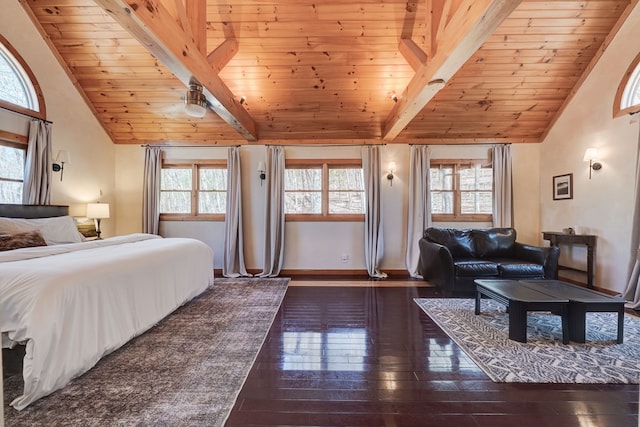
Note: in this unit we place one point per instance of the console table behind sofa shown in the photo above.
(588, 240)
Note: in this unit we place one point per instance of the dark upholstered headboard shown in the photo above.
(32, 211)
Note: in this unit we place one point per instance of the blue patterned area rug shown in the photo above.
(543, 359)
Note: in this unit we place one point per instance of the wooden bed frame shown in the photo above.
(32, 211)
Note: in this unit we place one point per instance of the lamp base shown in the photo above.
(98, 232)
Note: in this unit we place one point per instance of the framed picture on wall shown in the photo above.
(563, 187)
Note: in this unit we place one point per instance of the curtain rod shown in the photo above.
(258, 145)
(485, 144)
(25, 114)
(481, 144)
(187, 146)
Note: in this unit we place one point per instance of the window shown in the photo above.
(18, 87)
(193, 190)
(12, 158)
(627, 100)
(321, 190)
(461, 190)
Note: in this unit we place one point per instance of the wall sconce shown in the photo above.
(392, 170)
(98, 211)
(61, 158)
(262, 174)
(591, 156)
(195, 103)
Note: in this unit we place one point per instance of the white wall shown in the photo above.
(604, 204)
(319, 245)
(75, 129)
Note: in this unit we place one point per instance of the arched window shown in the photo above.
(627, 99)
(20, 92)
(19, 89)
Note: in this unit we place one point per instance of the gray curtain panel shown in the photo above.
(503, 186)
(632, 291)
(419, 215)
(274, 213)
(373, 241)
(151, 190)
(37, 170)
(233, 256)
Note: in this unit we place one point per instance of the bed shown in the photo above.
(71, 303)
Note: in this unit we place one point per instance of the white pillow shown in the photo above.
(54, 230)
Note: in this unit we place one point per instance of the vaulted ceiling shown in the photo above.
(323, 71)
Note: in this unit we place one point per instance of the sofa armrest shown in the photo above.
(436, 264)
(545, 256)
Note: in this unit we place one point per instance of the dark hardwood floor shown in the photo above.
(354, 356)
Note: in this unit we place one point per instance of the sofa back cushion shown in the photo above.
(459, 242)
(494, 242)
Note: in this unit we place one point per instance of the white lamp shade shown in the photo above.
(97, 210)
(63, 157)
(590, 154)
(195, 110)
(261, 167)
(392, 167)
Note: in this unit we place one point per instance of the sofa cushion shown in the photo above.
(494, 242)
(459, 242)
(515, 268)
(475, 268)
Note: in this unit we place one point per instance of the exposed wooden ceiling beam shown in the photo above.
(435, 9)
(192, 18)
(197, 15)
(154, 27)
(221, 55)
(473, 22)
(414, 55)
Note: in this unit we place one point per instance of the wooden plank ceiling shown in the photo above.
(326, 71)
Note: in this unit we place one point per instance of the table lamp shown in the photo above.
(98, 211)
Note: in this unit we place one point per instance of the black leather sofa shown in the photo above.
(453, 258)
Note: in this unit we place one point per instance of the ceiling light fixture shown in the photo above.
(195, 103)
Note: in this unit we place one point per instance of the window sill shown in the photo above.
(324, 218)
(461, 218)
(185, 217)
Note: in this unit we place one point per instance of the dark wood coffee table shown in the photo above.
(581, 301)
(520, 300)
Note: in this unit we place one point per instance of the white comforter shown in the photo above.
(74, 303)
